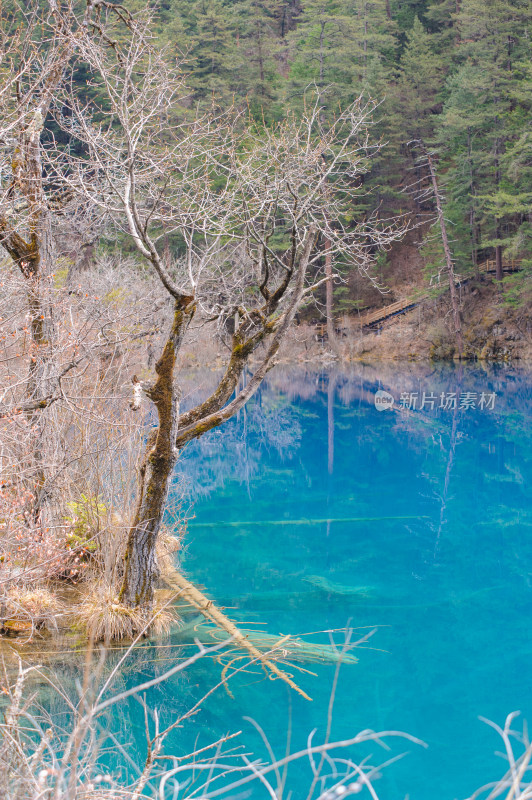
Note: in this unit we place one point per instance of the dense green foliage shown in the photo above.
(455, 73)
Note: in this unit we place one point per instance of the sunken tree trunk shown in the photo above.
(141, 570)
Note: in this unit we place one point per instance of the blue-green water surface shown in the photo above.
(312, 509)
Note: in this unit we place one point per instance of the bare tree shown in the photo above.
(455, 305)
(435, 194)
(248, 205)
(246, 209)
(37, 51)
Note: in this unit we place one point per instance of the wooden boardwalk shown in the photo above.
(402, 306)
(399, 307)
(489, 266)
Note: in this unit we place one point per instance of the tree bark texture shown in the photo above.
(141, 570)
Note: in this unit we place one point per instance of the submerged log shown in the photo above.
(293, 647)
(191, 594)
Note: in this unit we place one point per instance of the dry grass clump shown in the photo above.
(106, 619)
(24, 609)
(101, 614)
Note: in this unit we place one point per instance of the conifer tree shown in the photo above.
(420, 83)
(346, 46)
(495, 43)
(205, 33)
(257, 23)
(456, 74)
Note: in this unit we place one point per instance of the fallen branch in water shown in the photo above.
(192, 595)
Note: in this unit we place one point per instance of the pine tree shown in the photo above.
(345, 47)
(257, 23)
(203, 31)
(323, 45)
(461, 136)
(487, 108)
(404, 12)
(455, 74)
(420, 84)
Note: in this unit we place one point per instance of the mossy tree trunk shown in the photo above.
(141, 570)
(174, 431)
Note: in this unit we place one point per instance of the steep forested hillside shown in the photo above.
(452, 77)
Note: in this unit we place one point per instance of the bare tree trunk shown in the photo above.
(41, 385)
(457, 321)
(472, 205)
(365, 45)
(141, 570)
(499, 272)
(261, 59)
(33, 252)
(331, 332)
(35, 258)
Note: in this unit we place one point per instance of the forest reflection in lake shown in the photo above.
(313, 508)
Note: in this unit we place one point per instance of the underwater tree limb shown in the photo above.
(196, 598)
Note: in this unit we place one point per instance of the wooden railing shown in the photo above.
(400, 306)
(380, 314)
(511, 265)
(388, 311)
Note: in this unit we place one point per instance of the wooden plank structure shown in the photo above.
(402, 306)
(399, 307)
(489, 266)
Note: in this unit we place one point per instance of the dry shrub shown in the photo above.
(169, 543)
(442, 341)
(106, 619)
(72, 525)
(33, 747)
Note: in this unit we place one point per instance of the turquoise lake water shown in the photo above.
(313, 509)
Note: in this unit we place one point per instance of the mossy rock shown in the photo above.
(15, 626)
